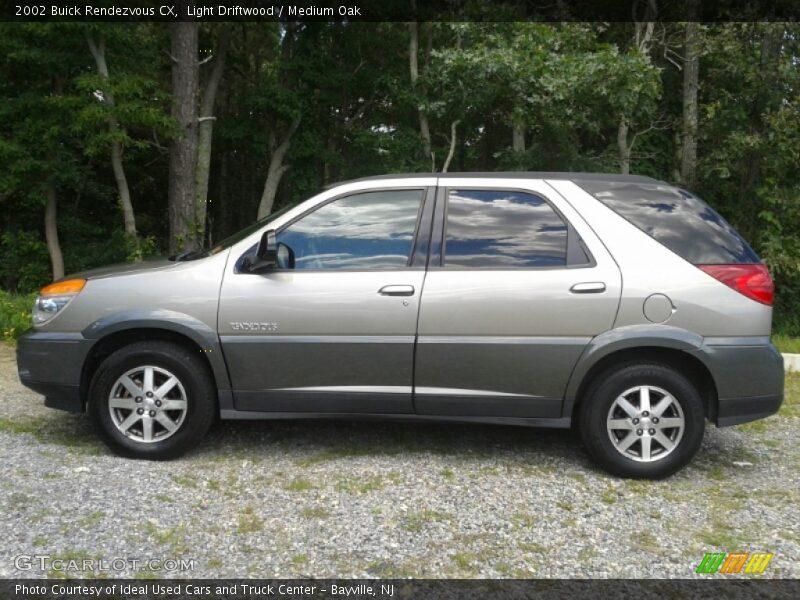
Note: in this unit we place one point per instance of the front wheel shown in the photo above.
(152, 400)
(642, 421)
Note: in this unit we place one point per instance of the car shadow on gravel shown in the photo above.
(310, 441)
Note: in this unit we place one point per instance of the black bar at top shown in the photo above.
(399, 10)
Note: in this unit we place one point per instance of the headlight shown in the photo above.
(55, 297)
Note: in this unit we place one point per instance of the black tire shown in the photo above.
(192, 373)
(600, 398)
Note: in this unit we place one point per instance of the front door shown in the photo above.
(335, 333)
(513, 295)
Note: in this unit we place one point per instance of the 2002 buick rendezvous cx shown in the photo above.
(619, 304)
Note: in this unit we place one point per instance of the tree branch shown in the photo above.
(453, 126)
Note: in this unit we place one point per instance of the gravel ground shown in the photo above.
(337, 499)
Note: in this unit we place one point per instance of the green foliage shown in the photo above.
(15, 314)
(25, 265)
(568, 86)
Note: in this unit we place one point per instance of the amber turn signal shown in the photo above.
(68, 286)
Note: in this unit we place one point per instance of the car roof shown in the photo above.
(562, 175)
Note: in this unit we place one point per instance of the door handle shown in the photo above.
(588, 287)
(397, 290)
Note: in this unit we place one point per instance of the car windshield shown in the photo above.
(233, 239)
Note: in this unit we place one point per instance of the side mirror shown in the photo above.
(266, 254)
(285, 257)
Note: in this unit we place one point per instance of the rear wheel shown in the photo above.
(642, 420)
(152, 400)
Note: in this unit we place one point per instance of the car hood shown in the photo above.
(127, 268)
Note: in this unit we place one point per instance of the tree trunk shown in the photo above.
(51, 232)
(691, 62)
(327, 168)
(771, 45)
(183, 151)
(449, 158)
(518, 137)
(98, 50)
(206, 134)
(413, 51)
(624, 147)
(275, 171)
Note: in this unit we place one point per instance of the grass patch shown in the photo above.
(524, 521)
(791, 399)
(646, 542)
(759, 426)
(26, 426)
(786, 343)
(187, 481)
(722, 535)
(531, 547)
(91, 519)
(298, 560)
(565, 505)
(717, 472)
(15, 315)
(249, 522)
(174, 537)
(299, 484)
(609, 496)
(70, 432)
(373, 483)
(70, 555)
(463, 560)
(315, 513)
(415, 522)
(356, 485)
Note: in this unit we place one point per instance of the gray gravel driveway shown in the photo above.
(340, 499)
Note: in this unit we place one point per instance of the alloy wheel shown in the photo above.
(645, 423)
(147, 404)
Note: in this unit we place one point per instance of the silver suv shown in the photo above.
(621, 305)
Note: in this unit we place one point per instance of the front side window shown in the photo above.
(372, 230)
(503, 229)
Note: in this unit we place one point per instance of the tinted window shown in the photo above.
(682, 222)
(503, 229)
(374, 230)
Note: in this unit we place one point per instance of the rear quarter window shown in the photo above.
(677, 219)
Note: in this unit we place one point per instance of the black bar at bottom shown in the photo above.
(385, 589)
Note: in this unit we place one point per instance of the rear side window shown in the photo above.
(502, 229)
(677, 219)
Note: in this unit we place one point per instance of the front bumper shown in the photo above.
(51, 364)
(749, 379)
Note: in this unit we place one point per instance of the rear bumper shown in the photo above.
(51, 364)
(741, 410)
(749, 381)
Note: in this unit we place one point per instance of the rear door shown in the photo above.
(517, 286)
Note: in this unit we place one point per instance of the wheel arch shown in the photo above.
(673, 347)
(112, 333)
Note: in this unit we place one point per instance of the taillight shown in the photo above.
(753, 281)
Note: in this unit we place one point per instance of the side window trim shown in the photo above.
(427, 192)
(578, 255)
(420, 249)
(438, 227)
